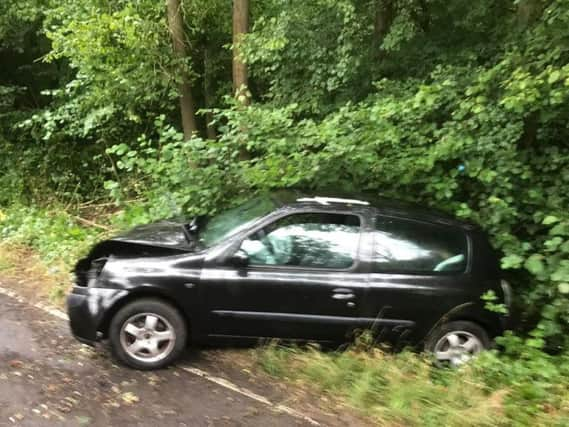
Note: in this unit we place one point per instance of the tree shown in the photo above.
(240, 27)
(187, 106)
(384, 12)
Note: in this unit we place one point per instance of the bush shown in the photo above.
(173, 177)
(428, 143)
(54, 233)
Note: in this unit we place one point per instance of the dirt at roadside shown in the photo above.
(22, 271)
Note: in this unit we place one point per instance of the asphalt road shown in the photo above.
(48, 379)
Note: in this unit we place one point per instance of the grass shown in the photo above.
(35, 278)
(5, 264)
(407, 390)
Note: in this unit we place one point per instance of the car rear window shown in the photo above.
(408, 246)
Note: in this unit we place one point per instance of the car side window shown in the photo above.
(317, 240)
(406, 246)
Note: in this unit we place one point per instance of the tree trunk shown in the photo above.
(240, 27)
(207, 91)
(240, 76)
(176, 28)
(528, 11)
(421, 16)
(384, 12)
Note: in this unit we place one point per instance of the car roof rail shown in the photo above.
(328, 200)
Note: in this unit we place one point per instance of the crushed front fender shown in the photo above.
(86, 308)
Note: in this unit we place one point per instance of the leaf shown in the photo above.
(83, 420)
(554, 77)
(534, 264)
(553, 244)
(110, 185)
(550, 219)
(562, 272)
(511, 261)
(561, 229)
(129, 398)
(563, 288)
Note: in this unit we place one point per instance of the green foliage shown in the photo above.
(104, 42)
(458, 105)
(309, 52)
(523, 387)
(55, 234)
(17, 19)
(173, 177)
(491, 303)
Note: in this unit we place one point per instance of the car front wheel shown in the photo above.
(455, 343)
(147, 334)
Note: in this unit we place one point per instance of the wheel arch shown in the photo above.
(468, 312)
(154, 293)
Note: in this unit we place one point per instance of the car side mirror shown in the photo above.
(239, 259)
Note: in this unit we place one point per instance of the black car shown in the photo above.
(291, 266)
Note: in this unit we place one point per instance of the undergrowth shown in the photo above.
(42, 245)
(521, 386)
(54, 233)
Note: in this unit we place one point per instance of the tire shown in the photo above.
(455, 343)
(147, 334)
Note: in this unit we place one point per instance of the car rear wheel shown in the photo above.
(456, 343)
(147, 334)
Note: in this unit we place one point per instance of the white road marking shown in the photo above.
(194, 371)
(51, 310)
(245, 392)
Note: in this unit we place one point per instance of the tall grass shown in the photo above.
(407, 389)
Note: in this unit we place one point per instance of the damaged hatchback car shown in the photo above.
(291, 266)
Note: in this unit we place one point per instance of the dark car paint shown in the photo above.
(91, 314)
(168, 234)
(221, 299)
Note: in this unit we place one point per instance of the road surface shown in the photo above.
(48, 379)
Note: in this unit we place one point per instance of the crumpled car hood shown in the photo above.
(164, 233)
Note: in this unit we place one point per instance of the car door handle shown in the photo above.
(343, 296)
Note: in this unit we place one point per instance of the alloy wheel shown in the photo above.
(457, 347)
(147, 337)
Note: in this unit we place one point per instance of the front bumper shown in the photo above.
(88, 309)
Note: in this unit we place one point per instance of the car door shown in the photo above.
(419, 272)
(303, 280)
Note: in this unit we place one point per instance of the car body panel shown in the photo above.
(91, 305)
(288, 303)
(282, 301)
(168, 234)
